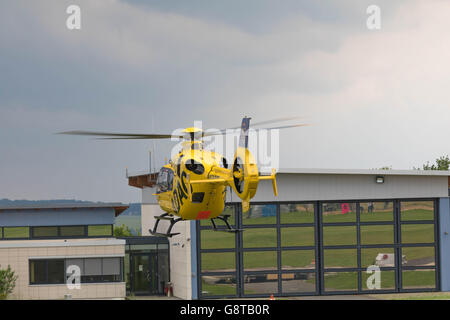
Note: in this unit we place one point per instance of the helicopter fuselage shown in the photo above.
(204, 201)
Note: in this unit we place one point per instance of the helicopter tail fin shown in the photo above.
(244, 172)
(243, 138)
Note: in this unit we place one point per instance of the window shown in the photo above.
(100, 230)
(298, 282)
(45, 232)
(260, 214)
(259, 238)
(93, 270)
(297, 213)
(323, 247)
(50, 232)
(16, 232)
(194, 166)
(164, 182)
(101, 270)
(338, 212)
(72, 231)
(261, 284)
(376, 211)
(218, 262)
(38, 271)
(341, 281)
(224, 285)
(297, 236)
(260, 260)
(298, 259)
(417, 210)
(377, 234)
(47, 271)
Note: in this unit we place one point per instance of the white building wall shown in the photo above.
(17, 253)
(180, 249)
(311, 187)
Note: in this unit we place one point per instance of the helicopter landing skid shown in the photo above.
(224, 218)
(165, 216)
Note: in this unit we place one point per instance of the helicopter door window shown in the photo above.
(165, 180)
(170, 180)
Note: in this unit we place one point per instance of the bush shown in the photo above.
(122, 231)
(7, 282)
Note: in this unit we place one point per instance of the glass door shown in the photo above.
(144, 274)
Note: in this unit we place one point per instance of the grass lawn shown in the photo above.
(413, 296)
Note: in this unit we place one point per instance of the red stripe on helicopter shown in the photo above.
(203, 215)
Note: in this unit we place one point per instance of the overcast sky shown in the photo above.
(374, 97)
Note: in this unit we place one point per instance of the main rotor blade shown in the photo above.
(111, 135)
(266, 122)
(285, 127)
(273, 121)
(222, 132)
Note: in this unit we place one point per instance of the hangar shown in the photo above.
(327, 232)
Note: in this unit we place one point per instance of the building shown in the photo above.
(40, 243)
(146, 265)
(327, 232)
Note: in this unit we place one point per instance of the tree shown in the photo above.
(7, 282)
(122, 231)
(442, 163)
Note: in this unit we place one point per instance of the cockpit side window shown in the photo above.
(170, 181)
(164, 182)
(194, 166)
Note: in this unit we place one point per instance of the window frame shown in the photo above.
(319, 248)
(82, 280)
(31, 235)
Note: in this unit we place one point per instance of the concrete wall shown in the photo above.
(17, 253)
(444, 237)
(181, 250)
(59, 217)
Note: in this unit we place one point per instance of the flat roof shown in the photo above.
(366, 172)
(118, 207)
(337, 171)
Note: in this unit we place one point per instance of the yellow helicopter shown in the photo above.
(193, 185)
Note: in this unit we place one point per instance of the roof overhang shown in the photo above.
(143, 180)
(365, 172)
(118, 207)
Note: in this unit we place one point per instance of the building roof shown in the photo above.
(118, 207)
(150, 178)
(366, 172)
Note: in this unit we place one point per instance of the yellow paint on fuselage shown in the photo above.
(176, 200)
